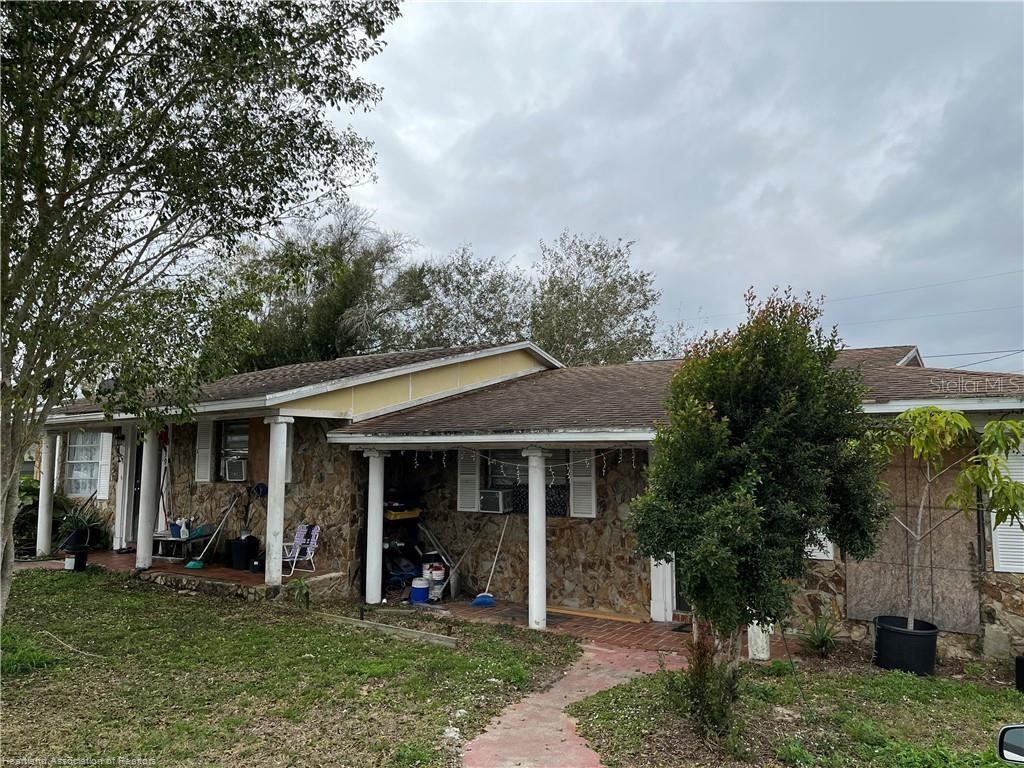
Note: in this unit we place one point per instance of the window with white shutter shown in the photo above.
(1008, 538)
(82, 465)
(103, 477)
(469, 482)
(204, 451)
(823, 550)
(582, 484)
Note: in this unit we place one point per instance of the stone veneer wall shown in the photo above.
(591, 564)
(328, 488)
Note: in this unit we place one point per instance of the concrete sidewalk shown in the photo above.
(536, 732)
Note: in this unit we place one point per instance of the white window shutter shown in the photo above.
(204, 451)
(469, 482)
(1008, 538)
(582, 484)
(1007, 547)
(825, 550)
(103, 480)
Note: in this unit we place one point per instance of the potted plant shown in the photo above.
(77, 530)
(945, 442)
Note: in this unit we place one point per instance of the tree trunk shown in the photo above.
(915, 551)
(10, 465)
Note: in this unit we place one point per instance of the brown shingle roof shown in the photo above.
(632, 395)
(625, 396)
(283, 378)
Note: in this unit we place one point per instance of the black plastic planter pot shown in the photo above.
(907, 650)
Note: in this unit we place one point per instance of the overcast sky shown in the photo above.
(840, 149)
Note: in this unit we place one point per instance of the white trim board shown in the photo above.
(987, 404)
(563, 439)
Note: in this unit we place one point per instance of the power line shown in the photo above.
(970, 354)
(988, 359)
(890, 291)
(929, 285)
(937, 314)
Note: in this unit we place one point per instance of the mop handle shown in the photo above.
(222, 521)
(496, 553)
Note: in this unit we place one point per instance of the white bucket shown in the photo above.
(419, 583)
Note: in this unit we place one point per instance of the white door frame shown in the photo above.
(124, 494)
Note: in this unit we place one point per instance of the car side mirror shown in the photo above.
(1011, 744)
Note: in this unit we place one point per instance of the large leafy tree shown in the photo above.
(470, 300)
(341, 290)
(591, 304)
(140, 143)
(765, 450)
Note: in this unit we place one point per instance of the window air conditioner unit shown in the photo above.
(496, 502)
(234, 470)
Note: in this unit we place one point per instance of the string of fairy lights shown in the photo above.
(549, 467)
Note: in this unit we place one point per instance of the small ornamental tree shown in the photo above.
(944, 441)
(766, 451)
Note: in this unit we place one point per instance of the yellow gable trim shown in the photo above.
(393, 391)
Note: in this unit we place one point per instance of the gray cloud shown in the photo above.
(842, 149)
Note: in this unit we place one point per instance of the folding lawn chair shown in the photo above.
(303, 548)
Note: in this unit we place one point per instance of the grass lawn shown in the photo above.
(852, 715)
(194, 680)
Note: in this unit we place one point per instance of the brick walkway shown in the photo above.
(536, 732)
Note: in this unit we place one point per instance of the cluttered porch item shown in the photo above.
(303, 548)
(197, 563)
(485, 599)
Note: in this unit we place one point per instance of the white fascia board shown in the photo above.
(389, 373)
(986, 404)
(517, 438)
(911, 355)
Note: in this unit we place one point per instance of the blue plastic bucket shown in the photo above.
(420, 590)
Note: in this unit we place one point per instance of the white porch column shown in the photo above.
(149, 491)
(374, 526)
(537, 537)
(276, 478)
(47, 473)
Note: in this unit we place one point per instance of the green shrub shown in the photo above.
(820, 635)
(707, 689)
(19, 653)
(793, 752)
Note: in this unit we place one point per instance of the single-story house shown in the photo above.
(485, 441)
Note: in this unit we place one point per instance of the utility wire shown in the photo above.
(979, 352)
(988, 360)
(937, 314)
(890, 291)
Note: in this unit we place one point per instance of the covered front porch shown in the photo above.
(149, 477)
(542, 518)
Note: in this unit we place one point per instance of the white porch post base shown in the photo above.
(759, 646)
(663, 590)
(374, 526)
(537, 534)
(48, 465)
(276, 474)
(149, 491)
